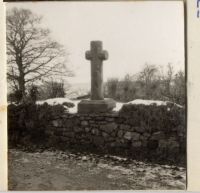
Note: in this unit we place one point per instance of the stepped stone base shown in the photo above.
(96, 106)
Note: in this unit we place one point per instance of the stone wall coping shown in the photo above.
(110, 114)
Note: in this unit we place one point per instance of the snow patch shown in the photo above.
(55, 101)
(73, 110)
(116, 157)
(124, 170)
(151, 102)
(118, 106)
(60, 101)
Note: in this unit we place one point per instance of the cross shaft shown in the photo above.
(96, 55)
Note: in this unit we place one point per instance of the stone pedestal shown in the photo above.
(96, 106)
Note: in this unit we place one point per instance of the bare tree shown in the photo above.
(167, 81)
(52, 89)
(111, 86)
(147, 75)
(32, 54)
(179, 88)
(148, 78)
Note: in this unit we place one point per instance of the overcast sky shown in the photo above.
(134, 33)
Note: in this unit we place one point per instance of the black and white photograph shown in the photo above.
(96, 95)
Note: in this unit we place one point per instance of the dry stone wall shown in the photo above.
(136, 130)
(146, 132)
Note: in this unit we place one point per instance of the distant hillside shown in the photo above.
(78, 90)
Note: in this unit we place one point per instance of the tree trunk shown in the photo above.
(22, 85)
(21, 80)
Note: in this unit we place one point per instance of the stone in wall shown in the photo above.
(120, 133)
(84, 123)
(98, 141)
(78, 129)
(128, 135)
(132, 135)
(139, 129)
(125, 127)
(57, 123)
(136, 144)
(158, 135)
(135, 136)
(69, 134)
(87, 129)
(110, 127)
(95, 131)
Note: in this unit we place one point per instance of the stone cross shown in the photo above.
(96, 55)
(97, 103)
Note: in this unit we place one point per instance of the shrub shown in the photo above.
(30, 121)
(33, 93)
(15, 96)
(153, 117)
(52, 89)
